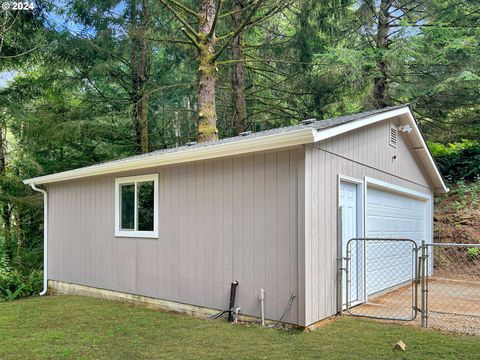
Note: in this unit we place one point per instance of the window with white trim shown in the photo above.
(136, 206)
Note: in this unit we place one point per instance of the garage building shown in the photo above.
(271, 210)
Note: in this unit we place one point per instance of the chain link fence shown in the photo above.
(398, 279)
(382, 276)
(453, 287)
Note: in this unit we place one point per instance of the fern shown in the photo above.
(11, 296)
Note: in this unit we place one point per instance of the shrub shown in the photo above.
(458, 161)
(14, 284)
(473, 253)
(461, 190)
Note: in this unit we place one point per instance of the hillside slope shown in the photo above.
(457, 214)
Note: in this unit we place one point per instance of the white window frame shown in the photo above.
(135, 233)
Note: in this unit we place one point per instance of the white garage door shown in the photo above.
(390, 215)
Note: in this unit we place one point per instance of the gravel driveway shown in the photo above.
(454, 305)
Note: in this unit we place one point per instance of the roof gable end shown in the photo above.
(416, 139)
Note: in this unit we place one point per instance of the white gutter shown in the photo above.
(45, 238)
(267, 142)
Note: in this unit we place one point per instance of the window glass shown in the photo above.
(136, 213)
(145, 205)
(128, 206)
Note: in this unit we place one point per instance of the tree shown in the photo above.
(120, 34)
(238, 72)
(382, 42)
(206, 41)
(140, 70)
(442, 80)
(21, 33)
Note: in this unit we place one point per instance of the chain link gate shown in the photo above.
(380, 277)
(397, 279)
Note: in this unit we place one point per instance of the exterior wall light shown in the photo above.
(405, 128)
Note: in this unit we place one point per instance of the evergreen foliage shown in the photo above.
(458, 161)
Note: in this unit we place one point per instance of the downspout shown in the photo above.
(45, 238)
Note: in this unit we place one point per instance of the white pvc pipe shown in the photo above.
(45, 238)
(262, 298)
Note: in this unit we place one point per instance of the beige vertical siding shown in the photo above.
(369, 146)
(365, 152)
(219, 220)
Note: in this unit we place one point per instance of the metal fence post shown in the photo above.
(417, 255)
(340, 263)
(427, 257)
(347, 276)
(422, 283)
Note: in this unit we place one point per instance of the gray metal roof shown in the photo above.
(316, 124)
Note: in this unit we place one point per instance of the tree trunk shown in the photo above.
(20, 237)
(139, 62)
(380, 81)
(7, 226)
(238, 74)
(206, 77)
(6, 218)
(18, 216)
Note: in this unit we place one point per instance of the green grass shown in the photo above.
(76, 327)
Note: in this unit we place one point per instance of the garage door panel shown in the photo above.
(390, 224)
(383, 267)
(389, 203)
(376, 224)
(375, 199)
(419, 226)
(391, 215)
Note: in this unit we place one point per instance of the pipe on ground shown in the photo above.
(45, 238)
(261, 297)
(231, 305)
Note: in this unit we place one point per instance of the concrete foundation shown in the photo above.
(63, 288)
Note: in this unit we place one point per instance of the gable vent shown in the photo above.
(393, 136)
(308, 121)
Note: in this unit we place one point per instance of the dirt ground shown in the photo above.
(453, 305)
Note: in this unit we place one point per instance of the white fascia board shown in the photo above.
(340, 129)
(269, 142)
(437, 177)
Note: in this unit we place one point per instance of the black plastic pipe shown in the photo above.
(231, 306)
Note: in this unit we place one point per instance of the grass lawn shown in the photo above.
(78, 327)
